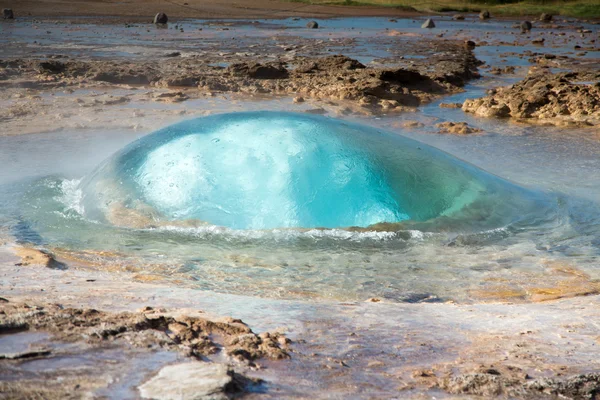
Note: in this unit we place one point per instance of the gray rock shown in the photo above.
(25, 354)
(428, 24)
(312, 25)
(7, 13)
(458, 17)
(546, 17)
(189, 381)
(485, 14)
(161, 18)
(526, 26)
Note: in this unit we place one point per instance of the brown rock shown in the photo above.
(458, 128)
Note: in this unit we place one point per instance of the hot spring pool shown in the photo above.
(297, 206)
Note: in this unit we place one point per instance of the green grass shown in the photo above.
(573, 8)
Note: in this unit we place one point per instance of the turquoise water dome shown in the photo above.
(265, 170)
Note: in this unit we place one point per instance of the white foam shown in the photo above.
(71, 195)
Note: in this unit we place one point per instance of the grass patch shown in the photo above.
(571, 8)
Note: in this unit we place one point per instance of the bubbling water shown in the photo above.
(266, 170)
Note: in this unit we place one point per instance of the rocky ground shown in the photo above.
(82, 334)
(562, 99)
(337, 79)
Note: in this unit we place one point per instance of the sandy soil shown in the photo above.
(140, 10)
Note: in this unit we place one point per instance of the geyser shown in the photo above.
(263, 170)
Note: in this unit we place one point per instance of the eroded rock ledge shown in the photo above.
(564, 99)
(333, 78)
(148, 328)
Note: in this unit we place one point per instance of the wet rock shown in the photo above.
(260, 71)
(457, 128)
(543, 97)
(7, 13)
(485, 14)
(402, 76)
(332, 63)
(30, 256)
(458, 17)
(450, 105)
(52, 67)
(145, 330)
(470, 44)
(298, 99)
(546, 17)
(171, 97)
(25, 354)
(485, 108)
(312, 25)
(428, 24)
(526, 26)
(179, 81)
(412, 124)
(248, 347)
(500, 71)
(190, 381)
(487, 385)
(538, 41)
(511, 383)
(585, 386)
(161, 18)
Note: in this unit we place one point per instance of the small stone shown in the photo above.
(458, 128)
(458, 17)
(298, 99)
(484, 15)
(546, 17)
(7, 13)
(428, 24)
(526, 26)
(538, 41)
(312, 25)
(161, 18)
(373, 300)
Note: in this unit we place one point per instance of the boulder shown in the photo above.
(161, 18)
(546, 17)
(189, 381)
(485, 14)
(525, 26)
(7, 13)
(428, 24)
(312, 25)
(458, 17)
